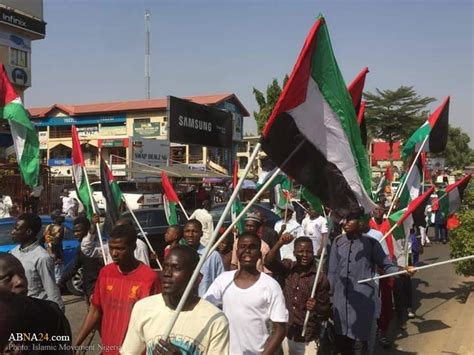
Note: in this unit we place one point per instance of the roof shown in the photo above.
(135, 105)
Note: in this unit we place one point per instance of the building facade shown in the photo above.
(129, 134)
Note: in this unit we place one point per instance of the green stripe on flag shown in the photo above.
(417, 137)
(398, 232)
(327, 75)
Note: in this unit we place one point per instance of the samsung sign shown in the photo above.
(191, 123)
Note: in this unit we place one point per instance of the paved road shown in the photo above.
(443, 325)
(443, 316)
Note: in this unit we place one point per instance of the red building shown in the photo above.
(379, 151)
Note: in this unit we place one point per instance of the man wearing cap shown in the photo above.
(354, 257)
(252, 224)
(288, 225)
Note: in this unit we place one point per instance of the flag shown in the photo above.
(263, 178)
(170, 200)
(355, 88)
(315, 108)
(385, 180)
(281, 188)
(424, 166)
(436, 127)
(78, 174)
(236, 208)
(412, 188)
(25, 138)
(313, 200)
(111, 193)
(450, 200)
(413, 215)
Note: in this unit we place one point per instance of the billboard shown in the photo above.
(192, 123)
(149, 129)
(151, 151)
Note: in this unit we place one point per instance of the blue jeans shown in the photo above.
(441, 233)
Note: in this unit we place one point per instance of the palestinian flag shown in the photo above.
(236, 208)
(170, 200)
(281, 189)
(435, 128)
(315, 108)
(384, 181)
(356, 88)
(412, 187)
(25, 138)
(413, 215)
(79, 174)
(111, 193)
(450, 200)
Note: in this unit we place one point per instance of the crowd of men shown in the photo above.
(252, 295)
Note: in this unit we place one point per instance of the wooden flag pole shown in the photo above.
(417, 268)
(388, 233)
(313, 289)
(184, 211)
(203, 258)
(253, 200)
(142, 231)
(400, 188)
(99, 234)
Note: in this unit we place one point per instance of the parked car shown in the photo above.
(218, 209)
(154, 224)
(70, 244)
(135, 198)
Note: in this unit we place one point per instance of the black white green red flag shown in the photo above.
(435, 128)
(413, 215)
(78, 174)
(236, 208)
(25, 138)
(112, 194)
(315, 108)
(450, 201)
(356, 88)
(170, 200)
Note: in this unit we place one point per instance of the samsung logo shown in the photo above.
(194, 123)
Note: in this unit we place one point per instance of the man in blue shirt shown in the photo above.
(354, 256)
(213, 266)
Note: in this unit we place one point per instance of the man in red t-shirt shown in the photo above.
(378, 222)
(119, 286)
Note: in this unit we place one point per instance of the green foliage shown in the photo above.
(395, 115)
(267, 102)
(462, 238)
(458, 154)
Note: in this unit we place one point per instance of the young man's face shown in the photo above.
(21, 233)
(248, 251)
(304, 253)
(121, 250)
(176, 274)
(192, 234)
(12, 276)
(171, 235)
(251, 226)
(351, 226)
(313, 213)
(80, 230)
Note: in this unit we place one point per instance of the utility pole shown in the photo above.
(147, 54)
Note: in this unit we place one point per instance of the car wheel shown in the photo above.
(75, 284)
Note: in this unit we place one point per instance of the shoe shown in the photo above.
(384, 342)
(411, 314)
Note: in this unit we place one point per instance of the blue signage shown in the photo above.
(82, 120)
(60, 162)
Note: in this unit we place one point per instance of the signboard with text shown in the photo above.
(150, 129)
(151, 151)
(192, 123)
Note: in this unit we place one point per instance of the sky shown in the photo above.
(94, 49)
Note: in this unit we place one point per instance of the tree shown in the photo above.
(458, 154)
(267, 103)
(395, 115)
(462, 239)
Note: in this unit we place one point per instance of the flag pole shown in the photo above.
(417, 268)
(253, 200)
(182, 208)
(313, 289)
(99, 234)
(389, 232)
(142, 231)
(303, 207)
(203, 258)
(400, 188)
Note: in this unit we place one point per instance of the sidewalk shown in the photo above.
(444, 306)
